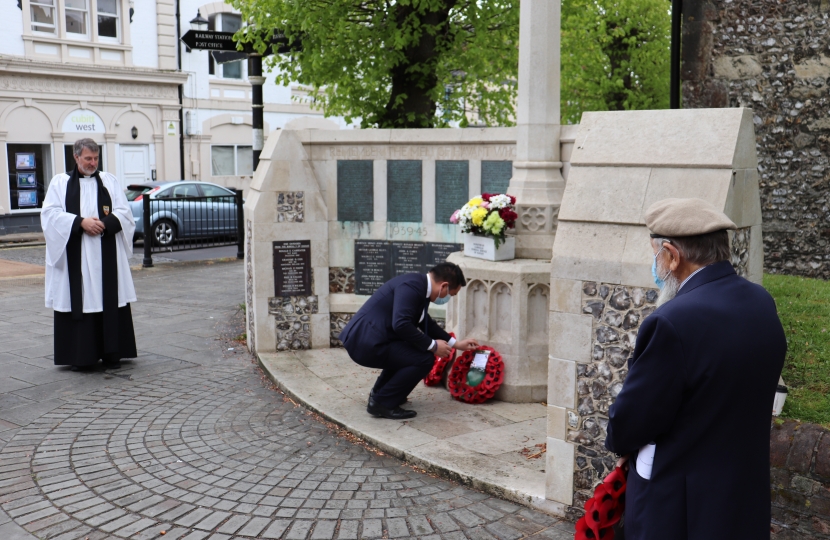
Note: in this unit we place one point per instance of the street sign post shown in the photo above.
(208, 40)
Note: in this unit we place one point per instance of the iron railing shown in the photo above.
(178, 224)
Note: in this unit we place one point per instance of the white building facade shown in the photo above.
(115, 71)
(217, 105)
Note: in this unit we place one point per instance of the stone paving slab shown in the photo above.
(478, 445)
(203, 445)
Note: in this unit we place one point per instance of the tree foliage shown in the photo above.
(427, 63)
(396, 63)
(615, 56)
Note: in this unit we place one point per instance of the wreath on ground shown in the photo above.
(436, 374)
(486, 389)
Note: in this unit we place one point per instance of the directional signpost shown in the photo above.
(208, 40)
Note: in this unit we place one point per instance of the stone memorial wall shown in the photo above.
(369, 205)
(601, 287)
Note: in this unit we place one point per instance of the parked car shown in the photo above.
(182, 209)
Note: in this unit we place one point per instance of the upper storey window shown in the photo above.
(226, 22)
(77, 17)
(96, 20)
(43, 16)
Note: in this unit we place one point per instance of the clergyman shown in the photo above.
(89, 229)
(693, 417)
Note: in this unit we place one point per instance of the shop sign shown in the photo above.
(83, 121)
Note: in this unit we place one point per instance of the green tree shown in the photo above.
(615, 56)
(396, 63)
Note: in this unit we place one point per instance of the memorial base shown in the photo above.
(505, 306)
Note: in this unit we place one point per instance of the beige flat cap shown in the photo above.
(685, 217)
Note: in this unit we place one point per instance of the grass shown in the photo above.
(804, 308)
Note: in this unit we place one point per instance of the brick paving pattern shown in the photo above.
(190, 439)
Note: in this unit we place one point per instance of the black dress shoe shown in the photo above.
(393, 414)
(372, 398)
(112, 365)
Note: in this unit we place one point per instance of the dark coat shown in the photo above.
(392, 314)
(700, 385)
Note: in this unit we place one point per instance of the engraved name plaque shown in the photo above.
(355, 190)
(403, 191)
(292, 268)
(371, 265)
(495, 176)
(378, 261)
(452, 187)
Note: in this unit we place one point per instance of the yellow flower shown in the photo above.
(478, 216)
(476, 201)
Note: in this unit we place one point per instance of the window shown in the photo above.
(30, 171)
(108, 20)
(181, 191)
(43, 16)
(232, 160)
(76, 17)
(225, 22)
(210, 191)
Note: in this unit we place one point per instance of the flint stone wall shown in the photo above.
(774, 57)
(799, 481)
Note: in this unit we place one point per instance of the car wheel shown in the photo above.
(164, 232)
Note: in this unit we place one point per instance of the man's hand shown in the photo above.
(93, 226)
(623, 462)
(442, 348)
(466, 344)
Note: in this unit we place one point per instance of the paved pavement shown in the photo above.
(191, 439)
(37, 255)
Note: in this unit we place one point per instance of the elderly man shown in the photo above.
(89, 228)
(694, 412)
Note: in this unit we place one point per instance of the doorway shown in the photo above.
(135, 164)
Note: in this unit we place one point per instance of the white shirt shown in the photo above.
(690, 277)
(452, 340)
(57, 226)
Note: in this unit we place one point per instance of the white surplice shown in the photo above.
(57, 226)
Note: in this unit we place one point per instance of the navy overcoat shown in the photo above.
(700, 385)
(393, 313)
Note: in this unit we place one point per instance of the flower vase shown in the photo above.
(484, 247)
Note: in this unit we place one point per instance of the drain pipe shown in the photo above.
(676, 37)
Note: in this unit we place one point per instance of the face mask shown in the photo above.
(660, 282)
(441, 301)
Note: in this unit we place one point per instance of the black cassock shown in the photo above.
(700, 385)
(81, 339)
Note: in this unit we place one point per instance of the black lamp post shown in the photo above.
(199, 23)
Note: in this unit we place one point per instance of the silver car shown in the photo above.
(183, 210)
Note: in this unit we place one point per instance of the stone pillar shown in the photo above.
(537, 181)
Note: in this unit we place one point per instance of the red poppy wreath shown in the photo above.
(435, 375)
(460, 386)
(604, 509)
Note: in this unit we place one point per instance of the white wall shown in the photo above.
(144, 34)
(11, 29)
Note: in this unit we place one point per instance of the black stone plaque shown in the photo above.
(437, 252)
(355, 190)
(292, 268)
(378, 261)
(403, 191)
(495, 176)
(452, 188)
(371, 265)
(408, 257)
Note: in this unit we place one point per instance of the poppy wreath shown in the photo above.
(604, 509)
(435, 375)
(493, 377)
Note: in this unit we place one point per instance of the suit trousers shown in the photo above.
(403, 367)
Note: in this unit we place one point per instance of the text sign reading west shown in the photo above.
(292, 268)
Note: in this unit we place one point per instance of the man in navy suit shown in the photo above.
(393, 331)
(694, 411)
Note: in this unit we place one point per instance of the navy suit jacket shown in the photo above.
(392, 314)
(700, 385)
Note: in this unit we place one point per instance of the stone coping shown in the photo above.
(477, 445)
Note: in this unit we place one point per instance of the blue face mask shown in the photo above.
(660, 282)
(441, 301)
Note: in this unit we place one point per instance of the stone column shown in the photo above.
(537, 181)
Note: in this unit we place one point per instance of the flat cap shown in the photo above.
(685, 217)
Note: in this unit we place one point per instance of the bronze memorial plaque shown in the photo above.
(292, 268)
